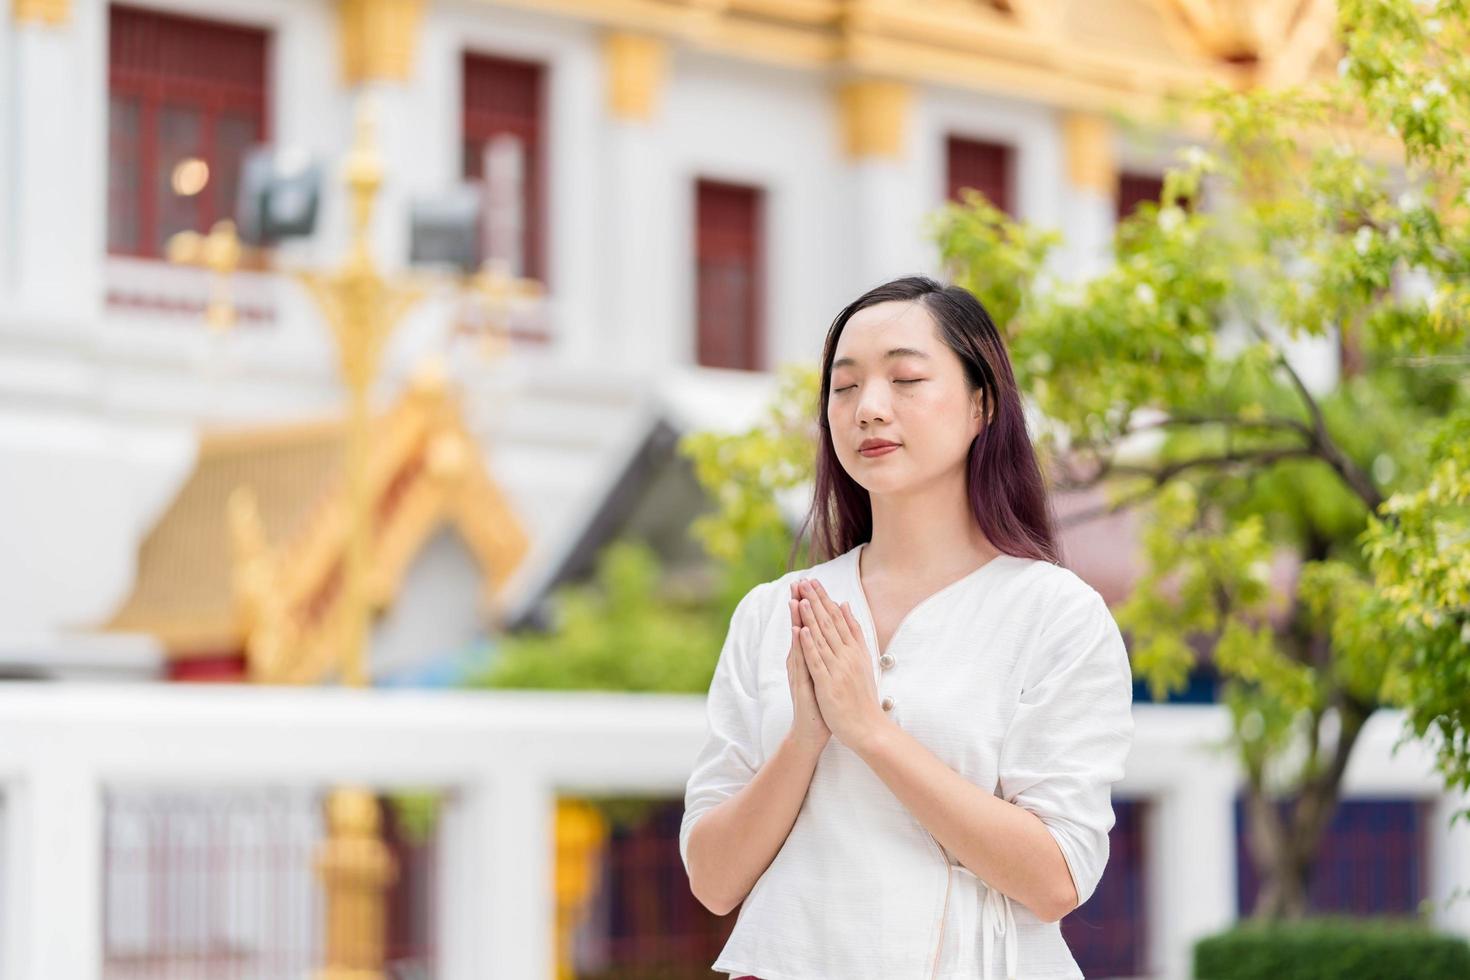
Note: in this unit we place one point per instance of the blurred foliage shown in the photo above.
(1332, 947)
(744, 472)
(1333, 210)
(625, 631)
(416, 812)
(631, 629)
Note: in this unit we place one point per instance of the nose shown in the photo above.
(873, 404)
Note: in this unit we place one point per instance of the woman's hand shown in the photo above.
(807, 726)
(841, 668)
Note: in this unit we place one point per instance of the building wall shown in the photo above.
(836, 225)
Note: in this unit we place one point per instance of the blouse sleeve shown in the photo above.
(1071, 733)
(731, 752)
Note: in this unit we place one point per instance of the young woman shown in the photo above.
(912, 744)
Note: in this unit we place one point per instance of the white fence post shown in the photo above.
(1191, 868)
(517, 875)
(55, 857)
(1449, 865)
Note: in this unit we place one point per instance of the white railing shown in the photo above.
(506, 756)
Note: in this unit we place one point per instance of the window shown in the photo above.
(187, 98)
(1134, 189)
(728, 286)
(503, 147)
(987, 167)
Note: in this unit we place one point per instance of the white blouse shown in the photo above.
(1016, 676)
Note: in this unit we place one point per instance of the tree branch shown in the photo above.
(1358, 481)
(1163, 474)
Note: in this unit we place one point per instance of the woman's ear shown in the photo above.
(978, 403)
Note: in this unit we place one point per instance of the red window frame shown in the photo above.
(164, 62)
(985, 165)
(729, 246)
(1134, 189)
(506, 96)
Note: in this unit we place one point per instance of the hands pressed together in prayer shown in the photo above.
(830, 670)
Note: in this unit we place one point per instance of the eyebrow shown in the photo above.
(895, 352)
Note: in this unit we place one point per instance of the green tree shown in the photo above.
(1332, 209)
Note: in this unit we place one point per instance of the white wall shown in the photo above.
(776, 129)
(437, 611)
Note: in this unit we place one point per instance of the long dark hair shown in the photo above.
(1003, 479)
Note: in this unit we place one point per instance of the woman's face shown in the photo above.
(894, 379)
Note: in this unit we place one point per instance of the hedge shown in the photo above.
(1332, 948)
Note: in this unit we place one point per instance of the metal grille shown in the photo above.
(645, 922)
(1372, 862)
(1107, 933)
(220, 884)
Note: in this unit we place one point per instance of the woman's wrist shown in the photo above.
(807, 744)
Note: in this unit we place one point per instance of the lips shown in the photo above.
(877, 447)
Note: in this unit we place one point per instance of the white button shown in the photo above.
(886, 661)
(888, 704)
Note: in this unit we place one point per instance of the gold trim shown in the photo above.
(1236, 31)
(52, 13)
(874, 117)
(1091, 163)
(378, 39)
(1033, 49)
(635, 68)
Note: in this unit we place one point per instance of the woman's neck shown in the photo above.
(928, 533)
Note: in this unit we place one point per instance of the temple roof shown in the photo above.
(424, 471)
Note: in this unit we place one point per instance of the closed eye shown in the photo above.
(897, 381)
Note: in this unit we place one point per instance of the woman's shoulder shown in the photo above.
(1055, 589)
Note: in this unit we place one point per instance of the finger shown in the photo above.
(795, 658)
(809, 619)
(835, 612)
(825, 627)
(850, 618)
(795, 613)
(814, 661)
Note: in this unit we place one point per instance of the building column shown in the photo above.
(53, 171)
(639, 266)
(1090, 196)
(888, 196)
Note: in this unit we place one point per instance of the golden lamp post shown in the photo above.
(362, 309)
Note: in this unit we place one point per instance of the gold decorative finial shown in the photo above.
(429, 376)
(219, 252)
(363, 172)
